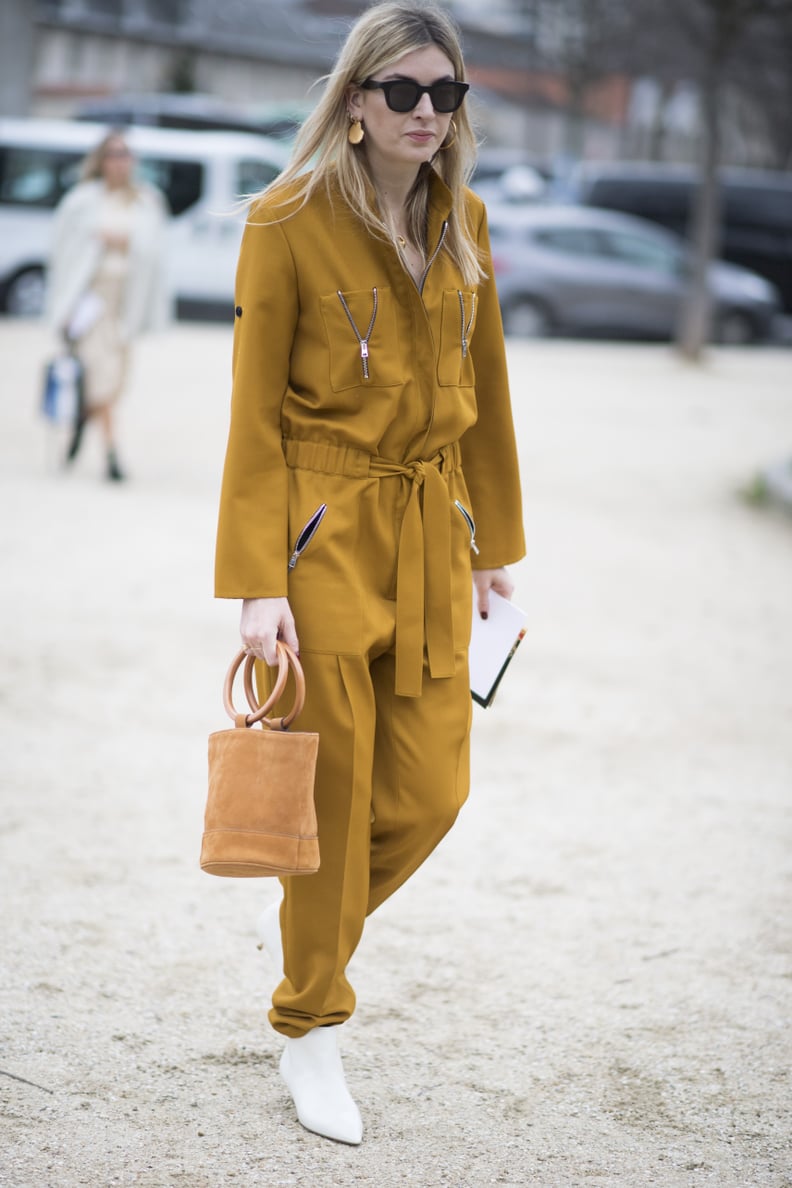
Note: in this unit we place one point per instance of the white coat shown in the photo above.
(76, 251)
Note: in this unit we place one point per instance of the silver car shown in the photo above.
(578, 270)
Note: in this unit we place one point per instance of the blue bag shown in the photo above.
(62, 398)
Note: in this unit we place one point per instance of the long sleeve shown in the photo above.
(252, 549)
(146, 300)
(75, 252)
(489, 451)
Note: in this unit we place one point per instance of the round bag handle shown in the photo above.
(286, 659)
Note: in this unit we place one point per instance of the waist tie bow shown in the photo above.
(423, 572)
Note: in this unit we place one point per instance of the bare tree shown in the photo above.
(715, 31)
(709, 43)
(762, 73)
(583, 40)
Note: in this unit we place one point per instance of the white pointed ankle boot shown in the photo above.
(269, 934)
(312, 1069)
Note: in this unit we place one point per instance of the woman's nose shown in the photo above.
(424, 107)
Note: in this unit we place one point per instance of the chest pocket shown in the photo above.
(362, 339)
(458, 321)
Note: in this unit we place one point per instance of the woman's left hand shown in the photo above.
(491, 579)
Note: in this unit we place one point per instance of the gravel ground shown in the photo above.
(588, 984)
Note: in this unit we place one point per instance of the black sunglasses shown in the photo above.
(404, 94)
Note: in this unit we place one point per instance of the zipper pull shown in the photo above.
(433, 256)
(466, 516)
(466, 327)
(363, 340)
(307, 535)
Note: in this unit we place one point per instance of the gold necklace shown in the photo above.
(404, 245)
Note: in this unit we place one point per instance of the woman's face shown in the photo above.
(117, 163)
(403, 138)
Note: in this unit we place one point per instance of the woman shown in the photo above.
(370, 423)
(105, 283)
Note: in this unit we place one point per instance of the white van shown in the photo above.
(202, 174)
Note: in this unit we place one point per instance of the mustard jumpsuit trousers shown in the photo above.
(371, 460)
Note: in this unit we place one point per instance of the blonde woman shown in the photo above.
(371, 471)
(105, 282)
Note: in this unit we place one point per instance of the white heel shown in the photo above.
(312, 1069)
(269, 934)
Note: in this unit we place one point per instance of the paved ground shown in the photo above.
(589, 984)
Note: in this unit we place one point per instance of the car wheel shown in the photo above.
(526, 318)
(735, 328)
(24, 296)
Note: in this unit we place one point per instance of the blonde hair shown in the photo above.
(92, 165)
(381, 36)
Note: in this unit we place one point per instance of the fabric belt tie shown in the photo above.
(423, 572)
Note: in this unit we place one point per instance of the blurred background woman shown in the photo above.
(105, 279)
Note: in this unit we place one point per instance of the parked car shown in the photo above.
(506, 175)
(196, 113)
(756, 209)
(580, 270)
(517, 184)
(492, 163)
(202, 174)
(188, 112)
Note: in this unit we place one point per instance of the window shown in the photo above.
(572, 241)
(640, 252)
(662, 200)
(762, 207)
(40, 177)
(107, 8)
(180, 181)
(166, 12)
(253, 175)
(36, 177)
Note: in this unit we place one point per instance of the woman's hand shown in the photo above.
(491, 579)
(265, 620)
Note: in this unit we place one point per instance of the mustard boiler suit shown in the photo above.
(371, 459)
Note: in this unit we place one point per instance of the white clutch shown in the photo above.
(87, 312)
(493, 642)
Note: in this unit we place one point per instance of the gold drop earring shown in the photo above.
(453, 130)
(355, 133)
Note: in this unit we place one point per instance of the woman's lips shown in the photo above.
(421, 137)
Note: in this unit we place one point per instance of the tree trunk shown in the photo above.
(659, 128)
(575, 117)
(695, 322)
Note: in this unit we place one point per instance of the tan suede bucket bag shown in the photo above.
(260, 813)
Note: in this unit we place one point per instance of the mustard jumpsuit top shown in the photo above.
(371, 461)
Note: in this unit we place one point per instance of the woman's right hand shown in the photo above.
(265, 620)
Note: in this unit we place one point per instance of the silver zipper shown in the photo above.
(307, 535)
(471, 523)
(363, 340)
(433, 257)
(466, 329)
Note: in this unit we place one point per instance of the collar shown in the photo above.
(440, 199)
